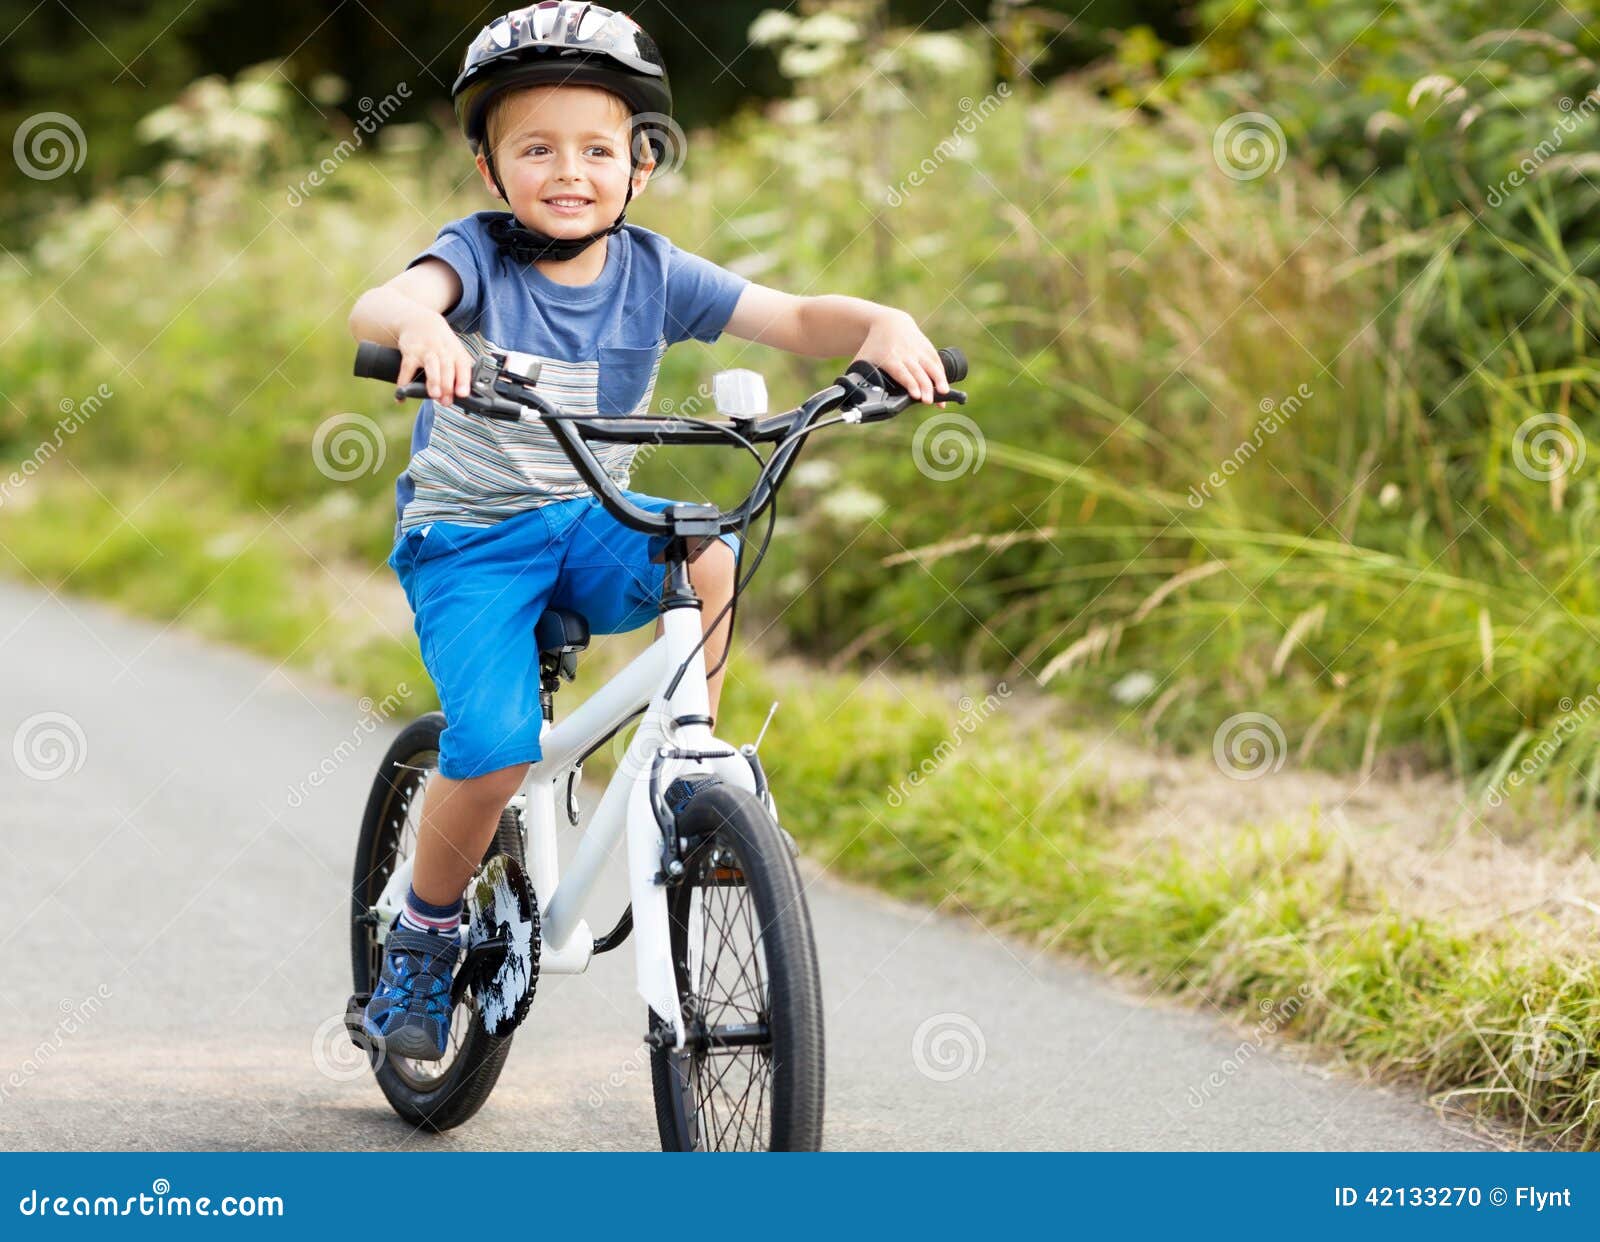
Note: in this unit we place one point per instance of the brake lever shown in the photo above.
(495, 407)
(887, 407)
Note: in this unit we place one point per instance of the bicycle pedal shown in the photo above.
(354, 1012)
(502, 963)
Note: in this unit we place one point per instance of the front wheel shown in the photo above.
(750, 1077)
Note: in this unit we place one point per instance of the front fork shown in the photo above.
(655, 856)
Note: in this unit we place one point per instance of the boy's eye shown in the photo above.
(602, 152)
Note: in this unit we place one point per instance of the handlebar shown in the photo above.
(864, 394)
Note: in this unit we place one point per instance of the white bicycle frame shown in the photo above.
(566, 941)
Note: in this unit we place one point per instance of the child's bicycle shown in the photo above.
(722, 938)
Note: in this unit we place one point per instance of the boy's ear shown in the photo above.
(488, 181)
(641, 174)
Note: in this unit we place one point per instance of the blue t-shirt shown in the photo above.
(599, 347)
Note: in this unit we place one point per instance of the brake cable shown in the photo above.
(772, 519)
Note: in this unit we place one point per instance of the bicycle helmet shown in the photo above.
(560, 42)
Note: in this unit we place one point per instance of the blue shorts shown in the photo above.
(477, 591)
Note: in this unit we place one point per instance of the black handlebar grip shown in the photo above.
(953, 361)
(377, 362)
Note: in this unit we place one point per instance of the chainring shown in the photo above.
(501, 904)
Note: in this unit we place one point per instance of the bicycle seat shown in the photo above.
(561, 630)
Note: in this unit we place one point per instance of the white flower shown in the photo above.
(773, 26)
(943, 53)
(262, 98)
(828, 28)
(800, 112)
(1133, 688)
(817, 473)
(328, 88)
(852, 504)
(799, 61)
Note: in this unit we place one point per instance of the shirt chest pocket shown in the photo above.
(626, 376)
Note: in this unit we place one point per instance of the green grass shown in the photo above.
(1268, 922)
(181, 553)
(1000, 822)
(1378, 575)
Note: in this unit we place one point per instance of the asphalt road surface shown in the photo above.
(174, 958)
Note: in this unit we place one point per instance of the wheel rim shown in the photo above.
(402, 821)
(725, 1086)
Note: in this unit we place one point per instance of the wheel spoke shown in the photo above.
(731, 1084)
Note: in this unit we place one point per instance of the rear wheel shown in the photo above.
(750, 1077)
(436, 1094)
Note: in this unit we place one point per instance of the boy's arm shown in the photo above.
(834, 326)
(408, 314)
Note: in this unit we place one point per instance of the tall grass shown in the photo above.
(1375, 574)
(1015, 827)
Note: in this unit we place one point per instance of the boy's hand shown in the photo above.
(428, 344)
(896, 345)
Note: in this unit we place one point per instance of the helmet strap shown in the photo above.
(521, 244)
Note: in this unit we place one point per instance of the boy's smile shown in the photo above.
(562, 155)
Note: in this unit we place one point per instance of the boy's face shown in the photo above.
(562, 155)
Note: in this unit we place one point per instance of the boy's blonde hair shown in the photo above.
(497, 105)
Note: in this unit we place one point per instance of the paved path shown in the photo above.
(176, 934)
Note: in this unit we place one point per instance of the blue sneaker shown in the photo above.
(410, 1008)
(681, 790)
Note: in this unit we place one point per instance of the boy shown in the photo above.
(493, 524)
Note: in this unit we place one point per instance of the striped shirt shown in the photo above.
(598, 347)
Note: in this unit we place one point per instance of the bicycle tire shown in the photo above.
(737, 837)
(447, 1099)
